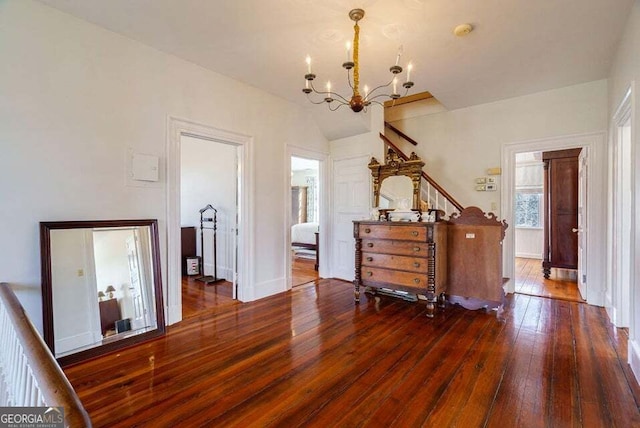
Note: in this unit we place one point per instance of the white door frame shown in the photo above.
(176, 128)
(323, 213)
(596, 224)
(620, 256)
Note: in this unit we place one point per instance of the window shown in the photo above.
(528, 210)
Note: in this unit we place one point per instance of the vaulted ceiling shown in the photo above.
(517, 46)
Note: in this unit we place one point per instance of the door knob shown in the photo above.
(574, 230)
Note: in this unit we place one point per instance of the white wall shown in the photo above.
(209, 176)
(75, 99)
(625, 70)
(459, 145)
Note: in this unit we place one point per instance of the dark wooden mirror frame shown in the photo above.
(394, 165)
(47, 290)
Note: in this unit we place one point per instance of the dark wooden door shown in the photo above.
(561, 210)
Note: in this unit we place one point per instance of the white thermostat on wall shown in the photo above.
(144, 167)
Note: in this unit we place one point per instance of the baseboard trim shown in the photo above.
(634, 358)
(222, 271)
(173, 314)
(269, 288)
(529, 256)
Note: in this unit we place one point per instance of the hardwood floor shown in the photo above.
(531, 281)
(311, 357)
(302, 271)
(197, 297)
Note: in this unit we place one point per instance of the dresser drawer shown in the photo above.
(389, 276)
(403, 248)
(413, 264)
(393, 231)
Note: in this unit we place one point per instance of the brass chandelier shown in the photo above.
(357, 102)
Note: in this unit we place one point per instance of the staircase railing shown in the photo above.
(400, 133)
(29, 374)
(433, 193)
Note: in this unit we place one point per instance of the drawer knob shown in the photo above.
(367, 230)
(369, 273)
(414, 233)
(370, 244)
(369, 259)
(416, 280)
(416, 249)
(416, 264)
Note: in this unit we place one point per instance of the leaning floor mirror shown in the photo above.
(101, 286)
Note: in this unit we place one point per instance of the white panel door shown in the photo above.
(582, 229)
(352, 201)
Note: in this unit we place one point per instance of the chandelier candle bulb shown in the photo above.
(348, 51)
(409, 67)
(329, 88)
(395, 84)
(399, 55)
(308, 60)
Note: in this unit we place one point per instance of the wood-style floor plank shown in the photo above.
(530, 280)
(302, 271)
(311, 357)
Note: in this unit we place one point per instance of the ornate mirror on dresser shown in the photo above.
(396, 180)
(101, 286)
(403, 257)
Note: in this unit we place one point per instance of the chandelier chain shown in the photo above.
(356, 66)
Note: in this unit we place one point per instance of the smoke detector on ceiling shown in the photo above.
(462, 30)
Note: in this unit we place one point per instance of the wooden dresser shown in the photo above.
(409, 256)
(109, 314)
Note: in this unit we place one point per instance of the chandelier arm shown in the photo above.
(342, 99)
(337, 107)
(376, 88)
(338, 102)
(315, 102)
(330, 94)
(349, 79)
(379, 96)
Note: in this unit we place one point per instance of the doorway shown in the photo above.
(593, 237)
(208, 216)
(305, 216)
(528, 228)
(243, 235)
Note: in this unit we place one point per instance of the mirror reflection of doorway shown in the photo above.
(208, 175)
(305, 212)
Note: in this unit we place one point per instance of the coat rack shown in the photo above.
(208, 279)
